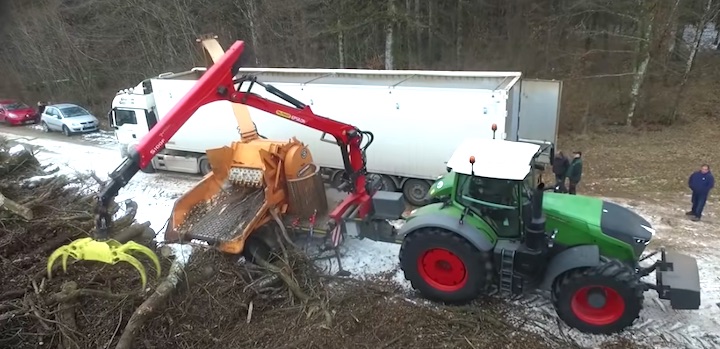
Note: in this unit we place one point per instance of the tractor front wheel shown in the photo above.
(444, 267)
(600, 300)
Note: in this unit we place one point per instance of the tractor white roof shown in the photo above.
(494, 158)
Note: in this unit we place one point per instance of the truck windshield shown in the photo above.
(123, 117)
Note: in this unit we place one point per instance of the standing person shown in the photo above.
(560, 167)
(41, 107)
(574, 173)
(700, 182)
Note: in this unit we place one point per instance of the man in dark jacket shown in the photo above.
(560, 167)
(700, 182)
(574, 173)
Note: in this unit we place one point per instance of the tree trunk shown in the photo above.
(430, 42)
(459, 35)
(252, 22)
(671, 37)
(643, 60)
(341, 45)
(418, 34)
(389, 36)
(699, 31)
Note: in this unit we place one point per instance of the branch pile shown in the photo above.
(209, 301)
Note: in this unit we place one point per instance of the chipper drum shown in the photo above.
(248, 185)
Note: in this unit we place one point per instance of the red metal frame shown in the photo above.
(217, 84)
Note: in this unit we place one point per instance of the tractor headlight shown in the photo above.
(642, 241)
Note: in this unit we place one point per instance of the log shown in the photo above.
(151, 305)
(65, 315)
(15, 208)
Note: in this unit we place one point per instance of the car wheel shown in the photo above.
(45, 127)
(66, 131)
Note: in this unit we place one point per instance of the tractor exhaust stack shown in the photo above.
(535, 237)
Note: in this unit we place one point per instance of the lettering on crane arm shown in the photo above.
(289, 116)
(157, 147)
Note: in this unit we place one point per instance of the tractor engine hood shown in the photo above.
(612, 219)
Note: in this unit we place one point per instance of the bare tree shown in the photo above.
(709, 15)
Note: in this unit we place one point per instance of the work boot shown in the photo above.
(689, 213)
(695, 218)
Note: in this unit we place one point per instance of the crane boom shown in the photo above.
(219, 83)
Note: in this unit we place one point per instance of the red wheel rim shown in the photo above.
(608, 313)
(442, 269)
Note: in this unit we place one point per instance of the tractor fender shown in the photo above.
(572, 258)
(476, 237)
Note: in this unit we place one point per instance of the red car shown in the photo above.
(17, 113)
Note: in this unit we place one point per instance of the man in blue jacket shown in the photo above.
(700, 182)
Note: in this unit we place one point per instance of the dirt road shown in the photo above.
(104, 139)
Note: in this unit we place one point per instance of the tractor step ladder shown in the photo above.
(507, 272)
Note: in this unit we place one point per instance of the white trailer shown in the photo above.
(417, 117)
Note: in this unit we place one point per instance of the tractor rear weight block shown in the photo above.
(677, 280)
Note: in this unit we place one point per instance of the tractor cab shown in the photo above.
(493, 180)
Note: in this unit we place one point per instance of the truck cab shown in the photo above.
(133, 114)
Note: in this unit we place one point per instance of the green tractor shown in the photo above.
(494, 227)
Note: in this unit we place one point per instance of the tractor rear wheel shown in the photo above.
(600, 300)
(444, 266)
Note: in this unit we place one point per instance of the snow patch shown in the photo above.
(16, 149)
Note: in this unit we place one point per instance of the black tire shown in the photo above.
(416, 192)
(336, 179)
(256, 247)
(463, 282)
(611, 279)
(45, 127)
(387, 184)
(148, 169)
(204, 165)
(66, 131)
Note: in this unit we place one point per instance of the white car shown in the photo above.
(68, 119)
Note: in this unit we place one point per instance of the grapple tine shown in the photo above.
(60, 252)
(134, 246)
(122, 256)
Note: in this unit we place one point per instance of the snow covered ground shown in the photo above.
(658, 326)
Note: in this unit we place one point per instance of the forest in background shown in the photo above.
(629, 62)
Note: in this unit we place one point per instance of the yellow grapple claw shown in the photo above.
(134, 246)
(110, 252)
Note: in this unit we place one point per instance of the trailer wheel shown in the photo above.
(600, 300)
(445, 267)
(204, 165)
(336, 178)
(387, 184)
(416, 192)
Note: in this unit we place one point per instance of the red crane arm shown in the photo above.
(218, 83)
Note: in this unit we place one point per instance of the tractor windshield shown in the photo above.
(495, 200)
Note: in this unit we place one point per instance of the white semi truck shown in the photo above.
(417, 117)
